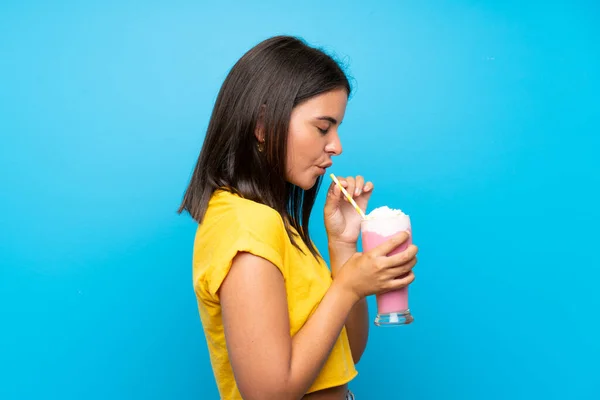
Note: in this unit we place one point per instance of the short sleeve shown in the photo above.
(258, 231)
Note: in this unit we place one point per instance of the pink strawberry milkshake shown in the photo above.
(381, 224)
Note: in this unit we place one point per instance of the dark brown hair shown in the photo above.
(266, 83)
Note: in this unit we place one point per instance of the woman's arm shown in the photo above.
(357, 323)
(342, 223)
(266, 361)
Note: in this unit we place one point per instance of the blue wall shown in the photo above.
(481, 120)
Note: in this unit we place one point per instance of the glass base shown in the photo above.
(394, 319)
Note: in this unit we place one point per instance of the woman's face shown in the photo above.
(313, 137)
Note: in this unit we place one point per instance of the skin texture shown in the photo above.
(267, 362)
(313, 137)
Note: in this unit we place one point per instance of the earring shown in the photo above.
(260, 146)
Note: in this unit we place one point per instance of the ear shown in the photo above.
(259, 132)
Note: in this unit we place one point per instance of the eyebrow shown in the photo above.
(327, 118)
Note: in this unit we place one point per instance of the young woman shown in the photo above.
(279, 323)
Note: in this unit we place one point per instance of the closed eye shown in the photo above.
(330, 122)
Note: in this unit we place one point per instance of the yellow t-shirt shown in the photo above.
(233, 224)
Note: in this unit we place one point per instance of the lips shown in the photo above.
(323, 168)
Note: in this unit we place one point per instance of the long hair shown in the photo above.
(265, 84)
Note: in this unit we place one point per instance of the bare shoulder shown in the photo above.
(251, 274)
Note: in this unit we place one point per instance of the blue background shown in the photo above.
(479, 119)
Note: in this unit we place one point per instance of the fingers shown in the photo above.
(402, 257)
(332, 200)
(334, 194)
(368, 187)
(386, 247)
(355, 186)
(401, 281)
(359, 185)
(402, 269)
(402, 275)
(350, 185)
(334, 190)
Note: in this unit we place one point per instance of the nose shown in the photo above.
(334, 145)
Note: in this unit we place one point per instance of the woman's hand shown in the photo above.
(342, 221)
(375, 272)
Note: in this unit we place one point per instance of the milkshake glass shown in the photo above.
(381, 224)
